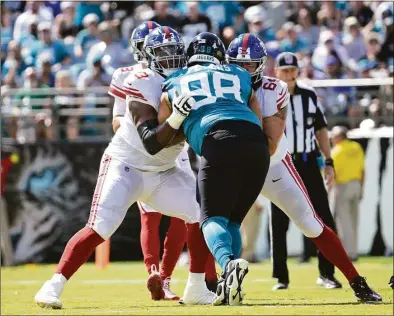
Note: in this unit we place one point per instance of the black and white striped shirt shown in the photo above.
(305, 117)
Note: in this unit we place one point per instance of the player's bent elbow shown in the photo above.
(152, 150)
(147, 132)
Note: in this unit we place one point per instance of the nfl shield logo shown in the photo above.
(289, 59)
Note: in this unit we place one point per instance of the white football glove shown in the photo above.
(181, 108)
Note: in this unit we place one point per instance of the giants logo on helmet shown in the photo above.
(243, 53)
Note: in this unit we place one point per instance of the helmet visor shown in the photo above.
(169, 57)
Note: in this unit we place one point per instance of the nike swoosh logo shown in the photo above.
(281, 93)
(276, 180)
(184, 159)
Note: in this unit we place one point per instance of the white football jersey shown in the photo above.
(115, 88)
(273, 95)
(142, 86)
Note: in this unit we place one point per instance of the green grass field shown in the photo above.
(120, 290)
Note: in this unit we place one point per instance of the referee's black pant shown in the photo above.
(309, 172)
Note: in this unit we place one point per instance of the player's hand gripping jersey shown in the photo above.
(273, 96)
(221, 92)
(142, 86)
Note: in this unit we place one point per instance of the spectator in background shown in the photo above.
(295, 7)
(14, 66)
(29, 40)
(308, 31)
(85, 8)
(95, 76)
(276, 13)
(255, 16)
(349, 165)
(336, 100)
(328, 15)
(64, 22)
(228, 35)
(5, 31)
(45, 74)
(386, 54)
(27, 127)
(293, 42)
(308, 72)
(54, 6)
(361, 12)
(163, 16)
(69, 125)
(194, 22)
(22, 22)
(372, 49)
(14, 6)
(50, 47)
(87, 37)
(112, 51)
(32, 100)
(353, 41)
(221, 13)
(326, 48)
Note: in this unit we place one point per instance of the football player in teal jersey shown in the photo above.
(213, 106)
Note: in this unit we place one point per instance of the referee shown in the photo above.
(306, 132)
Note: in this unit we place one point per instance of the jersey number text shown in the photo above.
(204, 79)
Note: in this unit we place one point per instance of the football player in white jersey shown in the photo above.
(129, 173)
(283, 185)
(158, 282)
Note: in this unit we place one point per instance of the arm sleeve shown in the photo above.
(119, 108)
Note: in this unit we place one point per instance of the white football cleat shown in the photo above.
(197, 294)
(48, 295)
(168, 294)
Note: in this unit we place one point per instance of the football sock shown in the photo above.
(198, 249)
(235, 231)
(218, 239)
(78, 250)
(150, 239)
(332, 248)
(173, 246)
(210, 272)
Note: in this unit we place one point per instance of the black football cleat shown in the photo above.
(363, 292)
(391, 283)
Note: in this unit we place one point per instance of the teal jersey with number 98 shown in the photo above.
(221, 92)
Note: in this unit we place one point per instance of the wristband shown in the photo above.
(175, 120)
(329, 162)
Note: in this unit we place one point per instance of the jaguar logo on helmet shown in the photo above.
(206, 47)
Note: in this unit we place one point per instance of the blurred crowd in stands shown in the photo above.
(46, 44)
